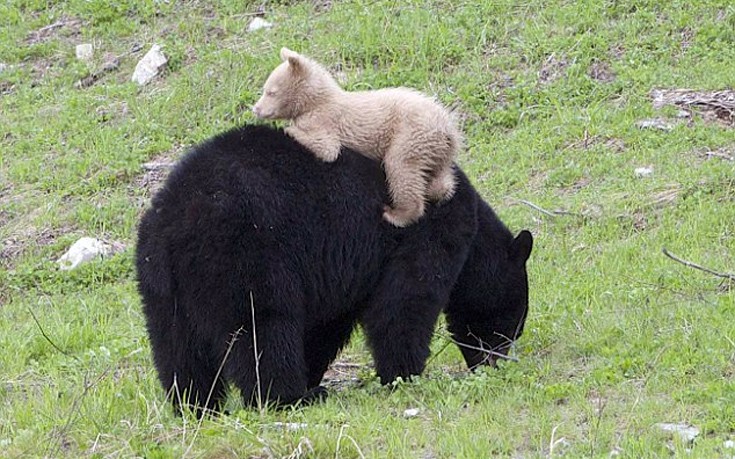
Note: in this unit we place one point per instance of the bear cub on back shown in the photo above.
(413, 135)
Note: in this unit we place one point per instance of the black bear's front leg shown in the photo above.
(400, 318)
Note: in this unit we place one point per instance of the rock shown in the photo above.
(85, 51)
(655, 123)
(290, 426)
(729, 444)
(111, 64)
(84, 250)
(686, 432)
(3, 67)
(149, 66)
(411, 413)
(641, 172)
(258, 23)
(158, 165)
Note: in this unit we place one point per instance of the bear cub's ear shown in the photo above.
(295, 60)
(520, 248)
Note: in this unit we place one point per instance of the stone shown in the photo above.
(82, 251)
(686, 432)
(258, 23)
(85, 51)
(149, 66)
(655, 123)
(641, 172)
(411, 413)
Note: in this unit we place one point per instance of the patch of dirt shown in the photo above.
(713, 106)
(617, 51)
(17, 244)
(577, 186)
(68, 25)
(6, 88)
(111, 112)
(552, 69)
(111, 64)
(587, 142)
(156, 170)
(666, 196)
(687, 36)
(342, 374)
(39, 69)
(322, 6)
(726, 153)
(601, 72)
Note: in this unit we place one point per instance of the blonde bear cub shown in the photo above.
(413, 135)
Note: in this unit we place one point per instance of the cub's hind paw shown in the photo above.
(397, 218)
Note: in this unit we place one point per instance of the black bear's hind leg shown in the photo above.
(185, 369)
(322, 346)
(192, 382)
(274, 372)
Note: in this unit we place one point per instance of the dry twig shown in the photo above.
(729, 276)
(550, 213)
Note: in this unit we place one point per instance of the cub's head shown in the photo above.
(295, 87)
(488, 306)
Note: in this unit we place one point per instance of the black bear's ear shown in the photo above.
(520, 248)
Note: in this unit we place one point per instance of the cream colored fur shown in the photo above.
(414, 136)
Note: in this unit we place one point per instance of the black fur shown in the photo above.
(252, 214)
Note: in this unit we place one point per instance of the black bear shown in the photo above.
(256, 261)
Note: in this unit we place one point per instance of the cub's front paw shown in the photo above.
(292, 132)
(328, 155)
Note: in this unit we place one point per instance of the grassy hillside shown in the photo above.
(619, 337)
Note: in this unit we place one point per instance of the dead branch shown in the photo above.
(696, 266)
(550, 213)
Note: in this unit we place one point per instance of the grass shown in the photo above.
(619, 337)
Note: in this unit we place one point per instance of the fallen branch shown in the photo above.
(550, 213)
(696, 266)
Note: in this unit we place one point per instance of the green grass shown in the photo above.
(618, 338)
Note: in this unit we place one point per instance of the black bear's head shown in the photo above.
(488, 306)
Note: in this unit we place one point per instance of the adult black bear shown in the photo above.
(250, 229)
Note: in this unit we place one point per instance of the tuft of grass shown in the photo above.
(618, 339)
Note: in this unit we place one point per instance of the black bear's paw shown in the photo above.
(314, 395)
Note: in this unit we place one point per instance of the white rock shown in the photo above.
(82, 251)
(643, 172)
(3, 67)
(85, 51)
(411, 413)
(729, 444)
(655, 123)
(290, 426)
(685, 431)
(158, 165)
(149, 66)
(258, 23)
